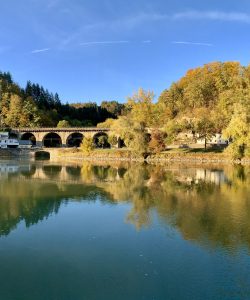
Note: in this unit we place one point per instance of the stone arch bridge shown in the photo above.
(60, 137)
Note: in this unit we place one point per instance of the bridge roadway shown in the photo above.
(58, 137)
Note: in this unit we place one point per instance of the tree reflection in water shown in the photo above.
(210, 206)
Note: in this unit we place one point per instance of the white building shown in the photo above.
(6, 142)
(215, 140)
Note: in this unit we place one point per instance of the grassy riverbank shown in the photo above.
(175, 155)
(172, 155)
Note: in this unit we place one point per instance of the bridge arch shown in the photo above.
(100, 140)
(73, 172)
(52, 171)
(52, 140)
(13, 135)
(120, 143)
(74, 139)
(30, 172)
(28, 136)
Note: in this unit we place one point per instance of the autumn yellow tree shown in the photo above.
(238, 131)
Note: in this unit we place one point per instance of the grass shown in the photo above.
(194, 150)
(129, 154)
(178, 154)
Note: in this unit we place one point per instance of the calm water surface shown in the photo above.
(123, 232)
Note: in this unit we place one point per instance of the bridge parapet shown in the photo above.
(56, 129)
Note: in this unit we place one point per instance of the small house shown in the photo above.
(216, 139)
(6, 142)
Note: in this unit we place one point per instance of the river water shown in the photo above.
(123, 231)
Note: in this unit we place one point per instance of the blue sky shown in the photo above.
(94, 50)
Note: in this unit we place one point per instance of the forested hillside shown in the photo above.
(36, 106)
(213, 90)
(211, 99)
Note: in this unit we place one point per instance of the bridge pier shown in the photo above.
(39, 139)
(64, 136)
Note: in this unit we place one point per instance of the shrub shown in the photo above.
(87, 145)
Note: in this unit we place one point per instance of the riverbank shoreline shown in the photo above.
(62, 154)
(15, 153)
(127, 156)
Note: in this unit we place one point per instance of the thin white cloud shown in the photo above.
(213, 15)
(103, 43)
(192, 43)
(40, 50)
(131, 22)
(127, 23)
(147, 42)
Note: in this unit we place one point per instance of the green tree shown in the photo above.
(204, 127)
(87, 145)
(102, 141)
(32, 113)
(239, 131)
(12, 117)
(215, 86)
(112, 140)
(63, 124)
(141, 107)
(122, 127)
(113, 107)
(140, 139)
(106, 124)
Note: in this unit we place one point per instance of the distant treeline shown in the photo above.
(36, 106)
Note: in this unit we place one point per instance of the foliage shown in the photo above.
(140, 139)
(172, 129)
(141, 107)
(157, 142)
(106, 124)
(203, 102)
(18, 113)
(204, 126)
(112, 140)
(87, 145)
(36, 106)
(63, 124)
(216, 86)
(113, 107)
(207, 97)
(239, 131)
(132, 127)
(102, 141)
(122, 127)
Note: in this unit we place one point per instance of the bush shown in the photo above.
(157, 144)
(113, 140)
(87, 146)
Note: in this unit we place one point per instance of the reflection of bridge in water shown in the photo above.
(70, 174)
(61, 137)
(93, 174)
